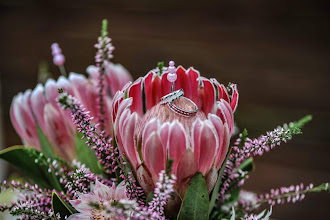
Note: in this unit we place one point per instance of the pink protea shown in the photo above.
(102, 196)
(149, 133)
(39, 106)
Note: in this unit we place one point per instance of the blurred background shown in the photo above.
(276, 51)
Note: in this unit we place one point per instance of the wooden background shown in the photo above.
(276, 51)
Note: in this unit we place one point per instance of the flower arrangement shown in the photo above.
(161, 147)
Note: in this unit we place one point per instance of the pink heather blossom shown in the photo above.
(148, 133)
(101, 195)
(39, 106)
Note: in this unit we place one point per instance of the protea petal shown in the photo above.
(116, 76)
(207, 94)
(228, 114)
(221, 91)
(119, 128)
(225, 145)
(150, 127)
(182, 82)
(37, 104)
(164, 134)
(220, 129)
(124, 105)
(79, 85)
(197, 126)
(23, 120)
(152, 89)
(187, 168)
(147, 85)
(58, 133)
(165, 85)
(234, 97)
(224, 93)
(117, 99)
(129, 143)
(64, 84)
(193, 76)
(135, 91)
(208, 140)
(51, 92)
(177, 143)
(145, 179)
(154, 155)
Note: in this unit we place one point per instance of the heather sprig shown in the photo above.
(104, 54)
(32, 203)
(290, 194)
(244, 148)
(105, 152)
(80, 180)
(133, 190)
(162, 192)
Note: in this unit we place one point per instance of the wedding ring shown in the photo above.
(171, 97)
(182, 112)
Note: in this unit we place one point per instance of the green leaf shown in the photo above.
(233, 215)
(44, 143)
(195, 205)
(234, 195)
(323, 187)
(24, 159)
(86, 155)
(60, 206)
(218, 183)
(150, 197)
(302, 121)
(247, 165)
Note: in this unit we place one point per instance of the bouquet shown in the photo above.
(164, 146)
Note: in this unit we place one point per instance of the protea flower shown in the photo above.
(149, 133)
(101, 195)
(39, 106)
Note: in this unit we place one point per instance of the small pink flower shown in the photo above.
(40, 106)
(148, 133)
(101, 195)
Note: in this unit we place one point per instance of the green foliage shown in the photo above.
(218, 183)
(86, 155)
(195, 205)
(150, 197)
(247, 165)
(60, 206)
(169, 163)
(323, 187)
(104, 31)
(243, 136)
(44, 143)
(32, 164)
(301, 122)
(233, 215)
(160, 67)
